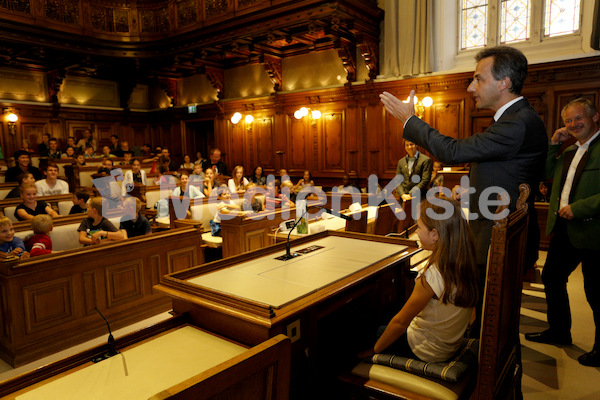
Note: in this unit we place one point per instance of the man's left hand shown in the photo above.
(400, 110)
(566, 212)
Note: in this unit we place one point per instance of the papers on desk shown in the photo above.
(265, 280)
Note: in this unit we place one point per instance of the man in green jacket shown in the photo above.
(574, 220)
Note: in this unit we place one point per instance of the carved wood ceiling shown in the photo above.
(141, 40)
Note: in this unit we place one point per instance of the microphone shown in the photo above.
(288, 255)
(112, 349)
(334, 213)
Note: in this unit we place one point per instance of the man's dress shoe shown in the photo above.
(591, 359)
(549, 337)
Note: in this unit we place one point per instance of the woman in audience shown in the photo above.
(258, 177)
(184, 189)
(306, 181)
(71, 143)
(209, 181)
(31, 206)
(187, 164)
(69, 152)
(23, 178)
(199, 158)
(134, 175)
(432, 323)
(237, 181)
(26, 146)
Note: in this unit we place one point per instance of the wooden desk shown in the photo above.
(159, 363)
(326, 301)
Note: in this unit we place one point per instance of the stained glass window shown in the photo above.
(515, 21)
(473, 23)
(561, 17)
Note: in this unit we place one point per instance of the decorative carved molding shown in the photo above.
(347, 53)
(55, 79)
(369, 49)
(187, 12)
(274, 69)
(64, 11)
(169, 86)
(217, 79)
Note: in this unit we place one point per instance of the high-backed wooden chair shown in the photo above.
(498, 373)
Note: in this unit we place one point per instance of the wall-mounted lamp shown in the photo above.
(248, 119)
(420, 105)
(12, 119)
(303, 112)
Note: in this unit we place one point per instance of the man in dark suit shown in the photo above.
(574, 220)
(511, 151)
(415, 168)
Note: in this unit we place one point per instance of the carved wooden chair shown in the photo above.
(498, 373)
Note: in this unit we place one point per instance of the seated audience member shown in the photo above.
(414, 165)
(124, 147)
(237, 182)
(44, 146)
(79, 160)
(89, 152)
(86, 141)
(95, 228)
(163, 160)
(51, 185)
(197, 176)
(71, 143)
(69, 152)
(26, 146)
(146, 151)
(187, 163)
(283, 175)
(251, 203)
(225, 206)
(23, 164)
(437, 180)
(199, 158)
(209, 182)
(53, 151)
(162, 179)
(22, 179)
(106, 152)
(432, 323)
(106, 166)
(184, 189)
(10, 245)
(274, 199)
(347, 185)
(258, 177)
(127, 157)
(215, 163)
(31, 206)
(544, 194)
(137, 226)
(40, 243)
(306, 181)
(80, 202)
(134, 175)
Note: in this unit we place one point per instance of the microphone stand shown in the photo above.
(111, 345)
(334, 213)
(288, 255)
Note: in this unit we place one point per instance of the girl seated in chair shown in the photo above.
(432, 323)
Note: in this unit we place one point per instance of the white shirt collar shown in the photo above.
(504, 107)
(587, 143)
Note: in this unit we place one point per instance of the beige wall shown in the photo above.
(314, 70)
(196, 89)
(23, 86)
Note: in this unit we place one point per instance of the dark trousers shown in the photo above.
(562, 259)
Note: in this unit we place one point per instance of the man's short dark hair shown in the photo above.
(22, 176)
(50, 164)
(508, 62)
(82, 194)
(20, 153)
(53, 140)
(213, 150)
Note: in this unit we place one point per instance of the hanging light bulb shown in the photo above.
(249, 119)
(316, 114)
(235, 118)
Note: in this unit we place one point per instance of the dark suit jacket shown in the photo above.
(584, 228)
(221, 167)
(422, 168)
(511, 151)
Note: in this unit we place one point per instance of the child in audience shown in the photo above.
(106, 152)
(432, 323)
(437, 180)
(197, 177)
(40, 243)
(10, 245)
(69, 152)
(22, 179)
(237, 182)
(209, 181)
(79, 160)
(51, 185)
(80, 202)
(127, 157)
(187, 163)
(274, 199)
(184, 189)
(95, 228)
(251, 203)
(31, 206)
(306, 181)
(135, 175)
(137, 226)
(89, 152)
(225, 206)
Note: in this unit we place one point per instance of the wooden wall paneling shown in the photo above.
(90, 295)
(256, 239)
(448, 117)
(563, 95)
(141, 134)
(352, 131)
(103, 131)
(392, 150)
(332, 146)
(4, 323)
(263, 145)
(181, 259)
(75, 128)
(372, 119)
(124, 282)
(239, 137)
(300, 146)
(48, 304)
(280, 142)
(30, 130)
